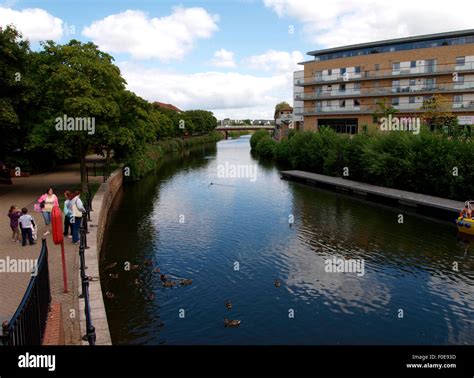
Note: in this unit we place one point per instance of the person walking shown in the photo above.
(77, 208)
(67, 215)
(46, 203)
(26, 221)
(14, 214)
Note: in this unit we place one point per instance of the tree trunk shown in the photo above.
(82, 162)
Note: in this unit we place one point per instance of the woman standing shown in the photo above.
(67, 214)
(77, 208)
(47, 201)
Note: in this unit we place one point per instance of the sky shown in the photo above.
(236, 57)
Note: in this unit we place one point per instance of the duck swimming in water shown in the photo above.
(186, 282)
(231, 323)
(228, 304)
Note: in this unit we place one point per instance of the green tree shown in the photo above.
(16, 91)
(383, 110)
(281, 105)
(77, 80)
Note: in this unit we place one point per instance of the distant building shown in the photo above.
(283, 122)
(341, 87)
(158, 104)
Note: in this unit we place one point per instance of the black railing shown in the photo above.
(90, 335)
(98, 168)
(28, 324)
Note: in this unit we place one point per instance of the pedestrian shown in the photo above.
(67, 215)
(77, 208)
(46, 203)
(26, 221)
(14, 214)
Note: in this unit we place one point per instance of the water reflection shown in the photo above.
(408, 266)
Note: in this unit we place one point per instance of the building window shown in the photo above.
(412, 82)
(430, 83)
(342, 87)
(357, 86)
(460, 80)
(411, 99)
(343, 71)
(396, 66)
(377, 67)
(356, 103)
(458, 99)
(395, 101)
(413, 64)
(460, 61)
(342, 103)
(357, 69)
(330, 72)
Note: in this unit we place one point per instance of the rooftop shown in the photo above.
(420, 38)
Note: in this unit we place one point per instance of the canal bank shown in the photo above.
(233, 240)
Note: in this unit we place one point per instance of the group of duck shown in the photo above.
(167, 282)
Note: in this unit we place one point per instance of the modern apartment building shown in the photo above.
(342, 85)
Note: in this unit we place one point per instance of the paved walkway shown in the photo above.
(23, 193)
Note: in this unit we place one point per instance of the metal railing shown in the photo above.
(419, 70)
(97, 168)
(28, 324)
(90, 335)
(398, 90)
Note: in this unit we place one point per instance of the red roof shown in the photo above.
(167, 106)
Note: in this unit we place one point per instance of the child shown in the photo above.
(14, 214)
(26, 221)
(67, 214)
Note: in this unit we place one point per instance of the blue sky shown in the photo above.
(235, 57)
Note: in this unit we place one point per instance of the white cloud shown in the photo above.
(166, 38)
(35, 24)
(275, 61)
(345, 22)
(223, 58)
(227, 94)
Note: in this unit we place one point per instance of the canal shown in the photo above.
(233, 239)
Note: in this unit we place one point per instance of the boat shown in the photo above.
(466, 225)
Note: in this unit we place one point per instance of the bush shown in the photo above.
(420, 163)
(256, 137)
(265, 147)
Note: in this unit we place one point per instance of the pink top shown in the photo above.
(45, 196)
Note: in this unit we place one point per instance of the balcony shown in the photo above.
(466, 106)
(426, 70)
(388, 91)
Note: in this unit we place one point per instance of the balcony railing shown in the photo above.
(369, 109)
(423, 70)
(387, 91)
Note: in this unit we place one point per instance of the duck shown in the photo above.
(113, 275)
(113, 265)
(156, 270)
(163, 277)
(228, 304)
(231, 323)
(109, 295)
(186, 282)
(150, 297)
(168, 284)
(277, 283)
